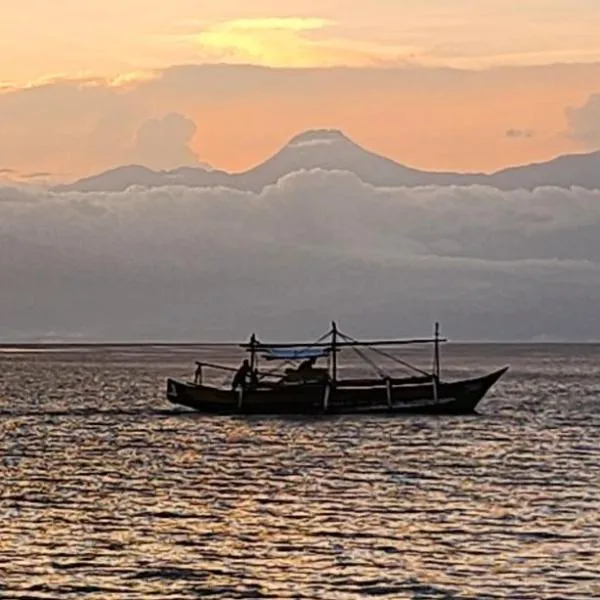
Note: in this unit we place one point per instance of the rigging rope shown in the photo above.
(390, 356)
(376, 367)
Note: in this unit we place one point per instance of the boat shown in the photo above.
(311, 390)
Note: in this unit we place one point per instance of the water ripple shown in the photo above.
(108, 492)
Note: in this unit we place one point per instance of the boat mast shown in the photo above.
(436, 351)
(334, 333)
(436, 362)
(252, 351)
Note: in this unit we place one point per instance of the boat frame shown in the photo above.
(322, 391)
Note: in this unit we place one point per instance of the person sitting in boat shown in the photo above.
(242, 374)
(306, 371)
(306, 366)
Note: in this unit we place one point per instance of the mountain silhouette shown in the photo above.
(331, 149)
(582, 170)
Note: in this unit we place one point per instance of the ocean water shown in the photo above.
(108, 491)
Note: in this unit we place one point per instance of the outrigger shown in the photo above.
(307, 390)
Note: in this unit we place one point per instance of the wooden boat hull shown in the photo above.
(452, 398)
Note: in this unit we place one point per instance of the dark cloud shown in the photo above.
(519, 133)
(36, 175)
(214, 263)
(7, 171)
(584, 122)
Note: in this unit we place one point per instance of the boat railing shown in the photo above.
(199, 373)
(385, 381)
(201, 365)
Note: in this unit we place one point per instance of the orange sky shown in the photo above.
(433, 126)
(378, 70)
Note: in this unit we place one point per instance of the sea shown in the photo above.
(108, 491)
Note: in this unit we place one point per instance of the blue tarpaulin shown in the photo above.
(295, 353)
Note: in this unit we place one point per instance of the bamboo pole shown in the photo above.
(437, 350)
(326, 393)
(252, 352)
(436, 362)
(407, 342)
(334, 346)
(388, 384)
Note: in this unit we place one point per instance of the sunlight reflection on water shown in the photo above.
(110, 492)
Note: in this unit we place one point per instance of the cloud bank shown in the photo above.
(179, 263)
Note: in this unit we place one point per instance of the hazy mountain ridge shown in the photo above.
(332, 150)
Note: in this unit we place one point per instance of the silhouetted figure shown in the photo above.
(198, 374)
(306, 371)
(306, 365)
(242, 374)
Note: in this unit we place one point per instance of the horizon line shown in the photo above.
(9, 345)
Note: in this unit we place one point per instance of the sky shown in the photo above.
(472, 85)
(467, 85)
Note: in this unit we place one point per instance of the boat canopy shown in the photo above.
(295, 353)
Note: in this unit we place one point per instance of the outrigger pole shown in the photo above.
(277, 345)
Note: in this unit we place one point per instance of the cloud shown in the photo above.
(290, 42)
(519, 133)
(584, 122)
(271, 24)
(164, 143)
(310, 143)
(36, 175)
(20, 194)
(63, 125)
(67, 126)
(214, 263)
